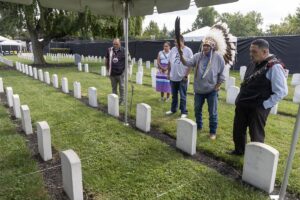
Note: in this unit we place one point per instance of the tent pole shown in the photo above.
(291, 157)
(125, 22)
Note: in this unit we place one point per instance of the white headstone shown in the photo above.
(71, 174)
(153, 81)
(55, 81)
(64, 85)
(155, 63)
(44, 140)
(286, 73)
(148, 64)
(35, 74)
(295, 79)
(1, 86)
(47, 78)
(9, 95)
(86, 67)
(186, 135)
(243, 70)
(130, 70)
(229, 82)
(140, 62)
(30, 71)
(296, 98)
(274, 109)
(103, 71)
(260, 166)
(226, 72)
(77, 90)
(26, 70)
(41, 77)
(232, 93)
(79, 67)
(139, 78)
(93, 97)
(26, 119)
(153, 71)
(113, 105)
(143, 117)
(17, 106)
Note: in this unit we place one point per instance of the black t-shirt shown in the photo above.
(117, 61)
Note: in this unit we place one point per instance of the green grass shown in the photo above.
(119, 162)
(15, 161)
(278, 130)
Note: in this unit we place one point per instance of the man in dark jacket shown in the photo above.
(263, 87)
(115, 65)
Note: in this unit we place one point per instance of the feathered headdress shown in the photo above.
(218, 38)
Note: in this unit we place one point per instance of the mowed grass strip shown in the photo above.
(119, 162)
(16, 164)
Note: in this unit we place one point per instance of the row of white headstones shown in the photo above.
(260, 162)
(70, 162)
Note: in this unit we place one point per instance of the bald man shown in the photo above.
(115, 65)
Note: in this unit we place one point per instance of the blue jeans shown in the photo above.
(212, 101)
(181, 87)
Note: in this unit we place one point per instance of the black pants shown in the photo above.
(253, 117)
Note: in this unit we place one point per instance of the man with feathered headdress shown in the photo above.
(209, 66)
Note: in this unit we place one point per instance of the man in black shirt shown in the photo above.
(115, 65)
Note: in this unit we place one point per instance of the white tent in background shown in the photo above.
(10, 44)
(3, 38)
(196, 35)
(199, 34)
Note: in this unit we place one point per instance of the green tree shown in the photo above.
(206, 17)
(152, 29)
(243, 25)
(289, 26)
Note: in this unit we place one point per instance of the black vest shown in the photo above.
(256, 88)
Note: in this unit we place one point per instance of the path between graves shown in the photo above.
(51, 170)
(201, 156)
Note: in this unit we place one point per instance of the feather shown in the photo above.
(177, 32)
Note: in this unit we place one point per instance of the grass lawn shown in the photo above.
(278, 130)
(15, 161)
(119, 162)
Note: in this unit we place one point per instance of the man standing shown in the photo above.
(209, 66)
(263, 87)
(115, 65)
(178, 75)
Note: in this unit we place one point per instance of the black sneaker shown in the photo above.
(235, 153)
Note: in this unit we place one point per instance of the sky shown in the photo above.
(273, 11)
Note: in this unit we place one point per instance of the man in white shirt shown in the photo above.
(178, 74)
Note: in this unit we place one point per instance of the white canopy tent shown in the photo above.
(199, 34)
(3, 38)
(10, 44)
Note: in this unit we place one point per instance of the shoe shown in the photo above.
(167, 99)
(235, 153)
(169, 112)
(183, 115)
(213, 136)
(161, 99)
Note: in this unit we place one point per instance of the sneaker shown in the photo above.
(161, 99)
(169, 112)
(213, 136)
(183, 115)
(167, 99)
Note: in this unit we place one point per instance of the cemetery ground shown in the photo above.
(119, 162)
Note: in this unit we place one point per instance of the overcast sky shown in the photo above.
(273, 11)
